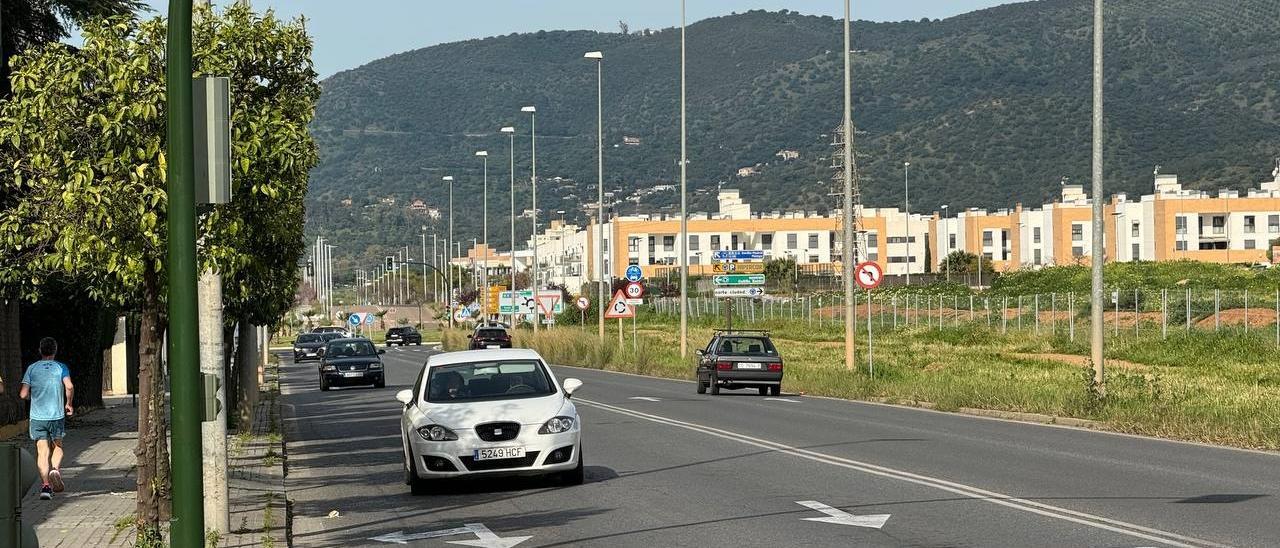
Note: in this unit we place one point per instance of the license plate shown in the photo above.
(353, 374)
(499, 453)
(492, 346)
(742, 365)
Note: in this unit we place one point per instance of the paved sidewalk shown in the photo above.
(99, 472)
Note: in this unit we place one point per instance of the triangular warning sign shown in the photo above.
(618, 308)
(547, 303)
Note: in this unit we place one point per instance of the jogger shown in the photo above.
(48, 384)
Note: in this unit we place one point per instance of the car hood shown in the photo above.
(354, 360)
(527, 411)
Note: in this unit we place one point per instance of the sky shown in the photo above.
(351, 33)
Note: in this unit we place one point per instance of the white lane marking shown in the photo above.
(834, 515)
(400, 537)
(645, 398)
(781, 399)
(1146, 533)
(486, 538)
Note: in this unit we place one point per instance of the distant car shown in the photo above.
(489, 336)
(403, 335)
(332, 329)
(307, 347)
(497, 412)
(351, 361)
(740, 359)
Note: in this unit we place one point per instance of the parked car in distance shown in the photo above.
(307, 347)
(403, 335)
(332, 329)
(489, 336)
(351, 361)
(740, 359)
(485, 413)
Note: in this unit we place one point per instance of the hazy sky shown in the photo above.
(350, 33)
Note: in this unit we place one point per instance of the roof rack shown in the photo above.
(765, 332)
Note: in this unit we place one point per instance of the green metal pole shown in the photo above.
(187, 524)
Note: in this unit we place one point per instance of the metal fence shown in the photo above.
(1137, 311)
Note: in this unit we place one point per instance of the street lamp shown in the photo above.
(906, 199)
(684, 205)
(484, 305)
(946, 262)
(600, 296)
(511, 132)
(847, 258)
(449, 277)
(533, 182)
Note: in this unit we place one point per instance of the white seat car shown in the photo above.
(489, 412)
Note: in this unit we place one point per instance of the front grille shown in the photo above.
(360, 367)
(498, 431)
(499, 464)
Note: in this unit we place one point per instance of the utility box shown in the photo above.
(212, 111)
(17, 476)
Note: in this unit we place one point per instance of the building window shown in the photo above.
(873, 239)
(901, 260)
(872, 256)
(951, 242)
(766, 241)
(1077, 251)
(1037, 255)
(633, 244)
(986, 238)
(605, 245)
(813, 241)
(1208, 246)
(668, 243)
(901, 239)
(1134, 230)
(1273, 224)
(733, 242)
(1219, 224)
(1136, 252)
(653, 244)
(715, 242)
(1180, 225)
(813, 259)
(986, 255)
(693, 242)
(1250, 224)
(1180, 246)
(1035, 235)
(1250, 244)
(695, 258)
(791, 241)
(1077, 232)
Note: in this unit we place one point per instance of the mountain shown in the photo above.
(991, 108)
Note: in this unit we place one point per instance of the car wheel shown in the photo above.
(764, 390)
(324, 385)
(702, 387)
(575, 476)
(715, 385)
(382, 383)
(417, 486)
(775, 390)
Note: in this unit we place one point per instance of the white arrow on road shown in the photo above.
(399, 537)
(486, 539)
(874, 521)
(645, 398)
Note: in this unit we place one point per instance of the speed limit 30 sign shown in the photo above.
(635, 290)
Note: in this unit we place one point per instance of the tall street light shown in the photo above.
(424, 264)
(448, 291)
(847, 257)
(484, 237)
(1099, 253)
(600, 296)
(684, 205)
(946, 241)
(511, 132)
(533, 181)
(906, 201)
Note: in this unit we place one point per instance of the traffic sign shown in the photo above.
(635, 302)
(547, 303)
(583, 303)
(635, 290)
(634, 274)
(738, 279)
(868, 275)
(737, 268)
(354, 319)
(740, 292)
(368, 319)
(738, 255)
(618, 308)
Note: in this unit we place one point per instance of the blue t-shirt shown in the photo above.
(48, 400)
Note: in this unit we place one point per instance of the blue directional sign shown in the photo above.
(634, 274)
(353, 319)
(368, 319)
(738, 255)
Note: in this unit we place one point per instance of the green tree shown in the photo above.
(963, 262)
(781, 272)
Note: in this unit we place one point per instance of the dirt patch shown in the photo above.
(1237, 317)
(1079, 361)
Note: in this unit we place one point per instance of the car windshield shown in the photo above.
(309, 338)
(350, 349)
(330, 336)
(492, 333)
(746, 346)
(493, 380)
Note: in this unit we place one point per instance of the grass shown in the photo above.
(1221, 388)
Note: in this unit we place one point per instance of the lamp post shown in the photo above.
(424, 264)
(906, 205)
(533, 180)
(684, 205)
(946, 262)
(484, 237)
(448, 291)
(847, 257)
(600, 296)
(511, 132)
(1095, 297)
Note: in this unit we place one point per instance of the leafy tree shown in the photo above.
(963, 262)
(1271, 248)
(781, 272)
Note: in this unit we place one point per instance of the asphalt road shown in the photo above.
(667, 467)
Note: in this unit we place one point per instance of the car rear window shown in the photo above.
(397, 330)
(491, 333)
(747, 346)
(309, 338)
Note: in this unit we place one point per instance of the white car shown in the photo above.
(489, 412)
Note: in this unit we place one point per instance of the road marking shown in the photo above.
(484, 537)
(835, 515)
(645, 398)
(1098, 522)
(781, 399)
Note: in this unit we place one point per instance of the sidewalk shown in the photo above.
(100, 500)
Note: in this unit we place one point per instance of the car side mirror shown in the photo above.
(571, 386)
(382, 351)
(468, 335)
(699, 352)
(404, 396)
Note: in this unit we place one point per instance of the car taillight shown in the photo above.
(775, 366)
(724, 366)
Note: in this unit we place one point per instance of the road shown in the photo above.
(666, 467)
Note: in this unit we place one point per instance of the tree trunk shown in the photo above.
(10, 362)
(247, 376)
(232, 383)
(153, 462)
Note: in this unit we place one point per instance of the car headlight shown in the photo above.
(375, 365)
(328, 368)
(435, 432)
(557, 425)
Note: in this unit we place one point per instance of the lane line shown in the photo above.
(1098, 522)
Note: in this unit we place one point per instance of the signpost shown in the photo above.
(868, 276)
(547, 302)
(728, 292)
(738, 255)
(583, 304)
(738, 279)
(737, 268)
(634, 274)
(618, 308)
